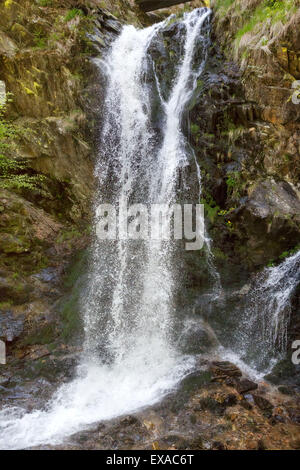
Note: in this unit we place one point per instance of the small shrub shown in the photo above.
(14, 173)
(40, 40)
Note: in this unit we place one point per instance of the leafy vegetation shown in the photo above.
(72, 14)
(283, 255)
(211, 207)
(40, 39)
(14, 173)
(275, 10)
(234, 184)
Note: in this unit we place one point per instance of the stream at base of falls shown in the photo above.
(138, 346)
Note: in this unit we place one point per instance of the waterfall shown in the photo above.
(261, 339)
(129, 358)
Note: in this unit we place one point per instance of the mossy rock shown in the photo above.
(44, 335)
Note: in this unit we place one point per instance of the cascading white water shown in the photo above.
(262, 334)
(129, 360)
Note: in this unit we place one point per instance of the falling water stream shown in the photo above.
(129, 358)
(263, 325)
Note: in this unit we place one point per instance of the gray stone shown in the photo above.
(270, 198)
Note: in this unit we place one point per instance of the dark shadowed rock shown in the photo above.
(245, 385)
(262, 402)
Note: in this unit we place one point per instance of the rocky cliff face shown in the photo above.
(245, 129)
(47, 148)
(262, 164)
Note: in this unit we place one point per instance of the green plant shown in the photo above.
(287, 253)
(68, 235)
(72, 14)
(195, 128)
(211, 207)
(40, 39)
(234, 184)
(14, 173)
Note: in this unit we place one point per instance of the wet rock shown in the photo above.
(245, 404)
(7, 45)
(264, 404)
(129, 420)
(263, 444)
(230, 400)
(245, 385)
(112, 25)
(218, 445)
(14, 291)
(213, 405)
(275, 419)
(178, 442)
(225, 369)
(286, 390)
(197, 337)
(294, 413)
(11, 326)
(47, 275)
(196, 443)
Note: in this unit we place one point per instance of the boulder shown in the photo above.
(262, 403)
(225, 368)
(245, 385)
(273, 199)
(11, 326)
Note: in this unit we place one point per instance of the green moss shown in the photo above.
(44, 335)
(76, 269)
(219, 254)
(70, 306)
(72, 14)
(223, 4)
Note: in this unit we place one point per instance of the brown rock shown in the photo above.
(262, 402)
(225, 368)
(245, 385)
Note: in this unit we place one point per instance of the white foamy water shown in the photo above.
(262, 336)
(129, 359)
